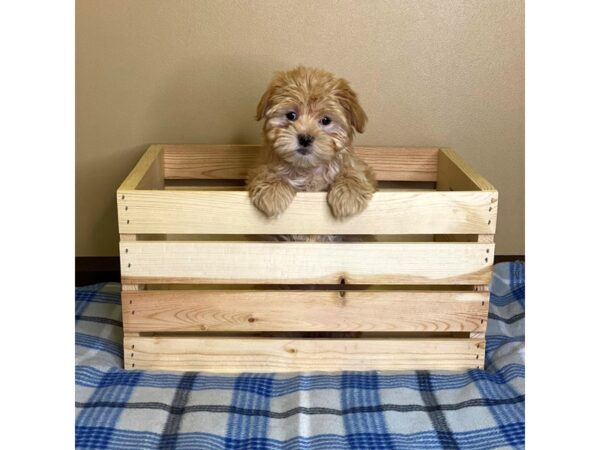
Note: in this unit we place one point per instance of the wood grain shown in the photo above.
(204, 161)
(245, 354)
(247, 311)
(231, 212)
(304, 262)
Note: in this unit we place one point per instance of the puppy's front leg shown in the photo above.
(351, 191)
(269, 192)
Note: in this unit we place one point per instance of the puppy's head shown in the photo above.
(310, 115)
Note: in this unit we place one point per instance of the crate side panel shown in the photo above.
(233, 161)
(233, 355)
(249, 311)
(303, 262)
(401, 163)
(231, 212)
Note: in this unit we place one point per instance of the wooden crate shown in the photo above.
(203, 292)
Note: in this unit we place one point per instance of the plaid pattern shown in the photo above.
(477, 409)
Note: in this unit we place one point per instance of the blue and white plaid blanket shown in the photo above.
(477, 409)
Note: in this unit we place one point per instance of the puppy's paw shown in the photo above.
(348, 197)
(272, 198)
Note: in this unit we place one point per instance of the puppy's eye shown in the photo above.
(291, 116)
(325, 121)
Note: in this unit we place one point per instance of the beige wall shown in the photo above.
(447, 73)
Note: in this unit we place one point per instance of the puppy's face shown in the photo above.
(310, 115)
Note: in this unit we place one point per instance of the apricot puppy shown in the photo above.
(310, 117)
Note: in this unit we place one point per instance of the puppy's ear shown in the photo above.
(265, 101)
(349, 101)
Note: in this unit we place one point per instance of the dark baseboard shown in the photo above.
(99, 269)
(508, 258)
(96, 269)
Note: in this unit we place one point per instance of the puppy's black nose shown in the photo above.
(305, 140)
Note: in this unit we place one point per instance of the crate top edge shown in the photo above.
(200, 146)
(242, 190)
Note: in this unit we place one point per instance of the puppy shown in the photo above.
(310, 117)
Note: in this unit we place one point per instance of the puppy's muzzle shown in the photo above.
(305, 141)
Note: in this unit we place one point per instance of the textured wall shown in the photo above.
(447, 73)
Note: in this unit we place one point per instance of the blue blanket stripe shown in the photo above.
(482, 439)
(99, 297)
(95, 294)
(518, 290)
(492, 343)
(92, 287)
(251, 391)
(503, 300)
(102, 415)
(505, 413)
(363, 391)
(91, 376)
(98, 343)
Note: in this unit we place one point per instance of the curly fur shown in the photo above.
(329, 162)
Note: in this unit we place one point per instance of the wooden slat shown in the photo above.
(147, 173)
(198, 161)
(130, 287)
(484, 291)
(247, 311)
(303, 262)
(231, 212)
(234, 355)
